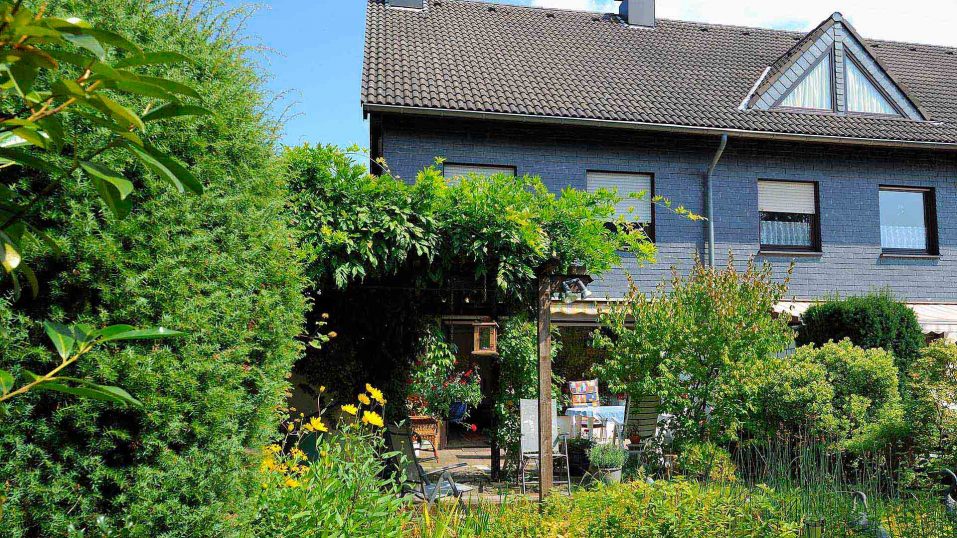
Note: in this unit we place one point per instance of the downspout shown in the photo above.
(710, 207)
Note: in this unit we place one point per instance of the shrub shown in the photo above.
(696, 346)
(436, 382)
(607, 456)
(867, 403)
(706, 461)
(223, 266)
(931, 403)
(793, 396)
(869, 321)
(341, 492)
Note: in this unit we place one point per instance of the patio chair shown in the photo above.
(427, 486)
(530, 446)
(641, 415)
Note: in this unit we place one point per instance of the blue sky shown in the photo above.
(315, 46)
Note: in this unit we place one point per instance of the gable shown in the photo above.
(832, 70)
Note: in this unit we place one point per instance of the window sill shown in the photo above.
(901, 256)
(791, 253)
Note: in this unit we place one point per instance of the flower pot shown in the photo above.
(610, 476)
(578, 463)
(457, 411)
(813, 529)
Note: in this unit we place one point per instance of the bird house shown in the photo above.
(485, 338)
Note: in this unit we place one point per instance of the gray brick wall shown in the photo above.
(848, 178)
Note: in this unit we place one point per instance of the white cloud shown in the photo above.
(919, 21)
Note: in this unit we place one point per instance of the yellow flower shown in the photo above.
(322, 388)
(268, 464)
(292, 482)
(290, 427)
(315, 425)
(351, 409)
(273, 448)
(375, 393)
(371, 417)
(364, 400)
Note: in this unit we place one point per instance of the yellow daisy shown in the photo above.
(315, 425)
(375, 393)
(351, 409)
(371, 417)
(364, 400)
(292, 482)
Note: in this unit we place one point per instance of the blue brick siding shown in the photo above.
(849, 178)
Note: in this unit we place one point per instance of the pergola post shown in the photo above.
(545, 462)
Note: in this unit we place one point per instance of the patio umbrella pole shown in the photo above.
(545, 475)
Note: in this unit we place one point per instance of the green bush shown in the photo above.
(869, 321)
(793, 396)
(931, 388)
(706, 461)
(867, 403)
(222, 266)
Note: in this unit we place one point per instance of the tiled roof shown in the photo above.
(475, 57)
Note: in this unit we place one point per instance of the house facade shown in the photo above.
(826, 150)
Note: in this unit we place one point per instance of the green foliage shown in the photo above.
(696, 346)
(869, 321)
(518, 379)
(61, 77)
(340, 492)
(223, 267)
(706, 461)
(356, 225)
(931, 388)
(793, 396)
(607, 456)
(436, 381)
(867, 403)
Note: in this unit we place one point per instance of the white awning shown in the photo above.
(933, 318)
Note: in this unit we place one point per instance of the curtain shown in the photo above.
(814, 91)
(862, 95)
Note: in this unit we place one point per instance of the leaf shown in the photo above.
(123, 185)
(23, 74)
(31, 279)
(114, 40)
(142, 88)
(53, 127)
(6, 381)
(166, 168)
(143, 334)
(62, 338)
(111, 331)
(114, 199)
(9, 257)
(93, 391)
(31, 136)
(173, 110)
(26, 159)
(153, 58)
(87, 42)
(169, 85)
(117, 111)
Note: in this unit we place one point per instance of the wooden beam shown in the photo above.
(545, 475)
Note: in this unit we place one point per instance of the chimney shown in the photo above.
(638, 12)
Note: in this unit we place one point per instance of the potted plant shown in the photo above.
(608, 459)
(463, 390)
(578, 455)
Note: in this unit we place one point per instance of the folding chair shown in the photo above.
(419, 482)
(530, 446)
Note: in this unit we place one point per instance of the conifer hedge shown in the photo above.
(222, 266)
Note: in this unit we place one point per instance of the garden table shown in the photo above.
(601, 413)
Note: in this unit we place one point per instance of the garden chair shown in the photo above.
(427, 486)
(530, 448)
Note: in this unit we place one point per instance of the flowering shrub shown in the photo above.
(436, 384)
(340, 490)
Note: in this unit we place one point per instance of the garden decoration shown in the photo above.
(861, 523)
(485, 338)
(950, 495)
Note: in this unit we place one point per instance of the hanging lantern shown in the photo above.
(485, 338)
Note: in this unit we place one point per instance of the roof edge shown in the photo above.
(660, 127)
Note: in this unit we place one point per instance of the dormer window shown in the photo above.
(831, 70)
(814, 91)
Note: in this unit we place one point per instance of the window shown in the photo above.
(908, 221)
(789, 216)
(627, 184)
(454, 172)
(862, 95)
(814, 91)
